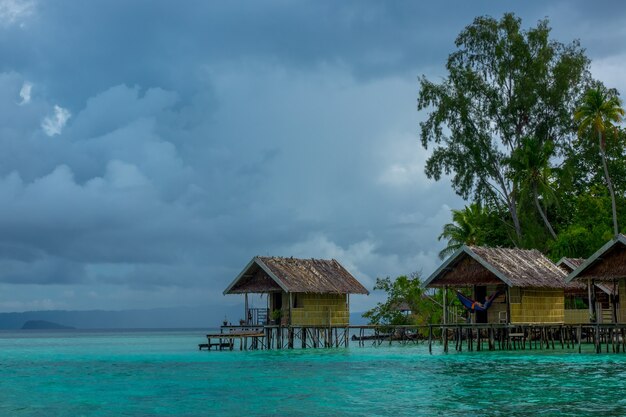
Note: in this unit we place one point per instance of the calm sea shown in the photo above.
(161, 373)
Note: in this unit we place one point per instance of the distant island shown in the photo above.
(44, 325)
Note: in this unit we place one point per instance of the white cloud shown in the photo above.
(15, 11)
(53, 125)
(403, 161)
(609, 71)
(25, 93)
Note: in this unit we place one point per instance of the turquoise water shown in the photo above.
(163, 374)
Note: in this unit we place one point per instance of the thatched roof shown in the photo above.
(487, 266)
(607, 264)
(270, 274)
(569, 264)
(606, 288)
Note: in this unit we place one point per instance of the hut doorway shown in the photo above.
(277, 301)
(480, 294)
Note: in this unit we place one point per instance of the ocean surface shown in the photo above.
(162, 373)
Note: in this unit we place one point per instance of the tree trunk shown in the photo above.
(543, 215)
(513, 211)
(609, 184)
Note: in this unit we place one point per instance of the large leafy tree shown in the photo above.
(503, 84)
(598, 114)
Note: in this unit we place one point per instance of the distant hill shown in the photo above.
(44, 325)
(181, 317)
(169, 318)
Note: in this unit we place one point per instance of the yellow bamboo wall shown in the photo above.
(537, 305)
(320, 310)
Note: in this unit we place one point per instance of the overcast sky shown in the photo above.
(150, 149)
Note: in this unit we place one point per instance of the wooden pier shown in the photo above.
(609, 338)
(249, 338)
(599, 338)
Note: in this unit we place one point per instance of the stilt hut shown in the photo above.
(523, 286)
(300, 292)
(577, 297)
(605, 269)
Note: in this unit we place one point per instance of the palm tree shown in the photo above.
(599, 111)
(463, 229)
(530, 171)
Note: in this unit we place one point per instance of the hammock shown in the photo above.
(473, 306)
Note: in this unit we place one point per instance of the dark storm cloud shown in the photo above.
(82, 48)
(151, 149)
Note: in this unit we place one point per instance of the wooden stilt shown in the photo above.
(430, 339)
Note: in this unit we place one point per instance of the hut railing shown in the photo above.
(258, 316)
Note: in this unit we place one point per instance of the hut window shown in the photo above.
(297, 301)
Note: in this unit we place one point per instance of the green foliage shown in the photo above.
(405, 291)
(276, 314)
(597, 114)
(531, 174)
(474, 225)
(529, 139)
(589, 228)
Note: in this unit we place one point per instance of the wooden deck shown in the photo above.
(226, 340)
(471, 337)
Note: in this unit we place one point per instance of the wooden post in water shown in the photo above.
(430, 338)
(508, 306)
(246, 308)
(445, 304)
(589, 298)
